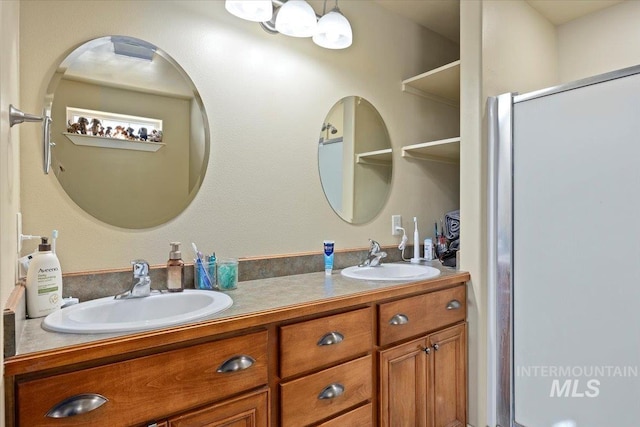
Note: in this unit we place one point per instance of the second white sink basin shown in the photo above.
(156, 311)
(392, 272)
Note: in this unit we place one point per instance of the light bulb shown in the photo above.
(296, 18)
(334, 31)
(251, 10)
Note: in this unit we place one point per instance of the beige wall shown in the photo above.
(506, 47)
(600, 42)
(519, 48)
(472, 192)
(266, 97)
(9, 159)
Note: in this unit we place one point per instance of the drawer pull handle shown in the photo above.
(331, 391)
(427, 350)
(399, 319)
(77, 405)
(236, 363)
(436, 347)
(331, 338)
(454, 305)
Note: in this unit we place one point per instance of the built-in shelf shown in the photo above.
(122, 144)
(441, 84)
(378, 157)
(444, 150)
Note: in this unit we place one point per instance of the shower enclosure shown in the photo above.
(564, 254)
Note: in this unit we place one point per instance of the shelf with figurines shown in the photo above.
(91, 133)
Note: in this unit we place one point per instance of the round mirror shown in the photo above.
(354, 159)
(131, 134)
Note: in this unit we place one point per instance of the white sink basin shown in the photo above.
(392, 272)
(156, 311)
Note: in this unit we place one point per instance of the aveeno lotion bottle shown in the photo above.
(44, 282)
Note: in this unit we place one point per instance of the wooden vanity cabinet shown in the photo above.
(422, 382)
(395, 357)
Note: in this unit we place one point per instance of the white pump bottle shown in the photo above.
(44, 282)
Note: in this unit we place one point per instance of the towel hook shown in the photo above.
(16, 117)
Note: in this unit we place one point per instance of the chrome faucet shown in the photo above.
(374, 256)
(141, 285)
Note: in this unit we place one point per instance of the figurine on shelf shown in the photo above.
(142, 134)
(73, 127)
(156, 136)
(131, 134)
(95, 127)
(107, 132)
(83, 122)
(120, 133)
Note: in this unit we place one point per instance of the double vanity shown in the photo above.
(297, 350)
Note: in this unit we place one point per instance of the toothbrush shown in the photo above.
(203, 271)
(416, 242)
(54, 236)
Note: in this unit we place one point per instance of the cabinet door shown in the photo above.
(249, 410)
(403, 385)
(448, 372)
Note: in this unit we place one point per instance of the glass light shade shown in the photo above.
(296, 18)
(334, 31)
(251, 10)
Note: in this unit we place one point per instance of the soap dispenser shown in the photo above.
(44, 282)
(175, 269)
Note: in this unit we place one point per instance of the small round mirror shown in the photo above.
(131, 133)
(355, 160)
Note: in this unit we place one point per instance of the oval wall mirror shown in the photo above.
(131, 132)
(355, 160)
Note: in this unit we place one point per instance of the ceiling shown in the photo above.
(443, 16)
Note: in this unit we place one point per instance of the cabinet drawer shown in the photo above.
(361, 417)
(423, 313)
(250, 409)
(150, 387)
(308, 399)
(320, 342)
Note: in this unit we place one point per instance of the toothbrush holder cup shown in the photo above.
(227, 273)
(201, 282)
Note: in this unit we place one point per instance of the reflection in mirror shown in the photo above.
(354, 159)
(131, 133)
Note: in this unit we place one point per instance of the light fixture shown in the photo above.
(296, 18)
(133, 48)
(334, 30)
(251, 10)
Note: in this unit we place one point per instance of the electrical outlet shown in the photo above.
(396, 221)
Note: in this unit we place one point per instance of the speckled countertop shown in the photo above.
(252, 297)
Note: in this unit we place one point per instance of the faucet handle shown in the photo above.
(140, 268)
(374, 246)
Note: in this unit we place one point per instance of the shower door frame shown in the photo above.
(500, 112)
